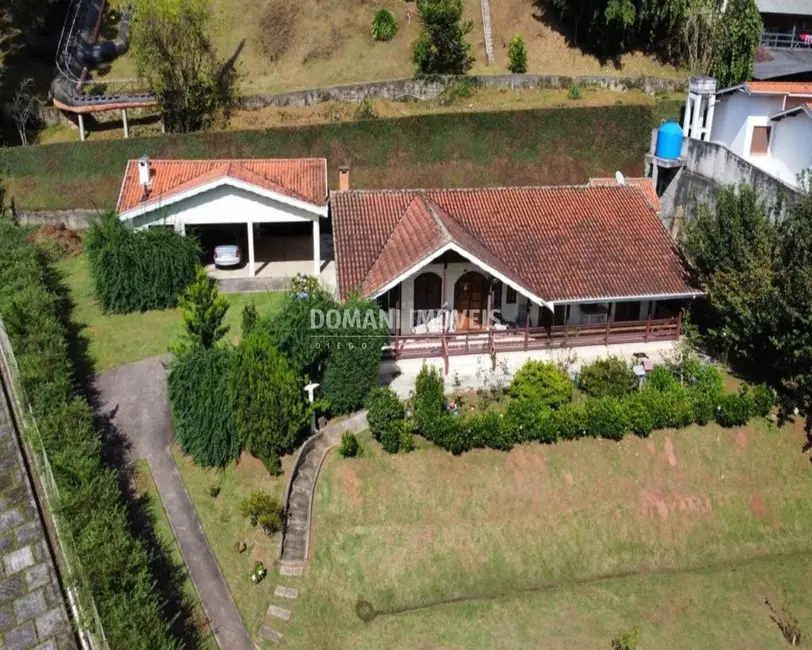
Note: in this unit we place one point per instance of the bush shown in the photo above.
(406, 438)
(708, 380)
(383, 408)
(660, 378)
(429, 398)
(670, 409)
(607, 377)
(366, 109)
(606, 417)
(113, 566)
(574, 92)
(349, 445)
(704, 405)
(138, 270)
(384, 26)
(198, 386)
(204, 311)
(487, 430)
(263, 509)
(527, 419)
(638, 415)
(517, 55)
(214, 490)
(734, 410)
(545, 383)
(391, 434)
(442, 47)
(628, 640)
(269, 407)
(570, 422)
(763, 400)
(249, 318)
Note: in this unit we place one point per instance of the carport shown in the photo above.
(271, 208)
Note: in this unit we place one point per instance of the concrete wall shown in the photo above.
(429, 88)
(73, 219)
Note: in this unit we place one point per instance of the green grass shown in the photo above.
(117, 339)
(685, 534)
(225, 528)
(147, 491)
(543, 146)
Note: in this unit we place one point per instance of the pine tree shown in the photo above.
(204, 310)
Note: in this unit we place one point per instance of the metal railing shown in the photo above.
(38, 459)
(787, 39)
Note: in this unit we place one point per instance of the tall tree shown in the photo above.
(204, 310)
(442, 48)
(175, 56)
(736, 40)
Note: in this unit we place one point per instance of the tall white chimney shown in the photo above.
(144, 176)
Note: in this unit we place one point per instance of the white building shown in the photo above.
(767, 123)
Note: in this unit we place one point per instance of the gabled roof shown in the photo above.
(801, 88)
(645, 185)
(301, 179)
(795, 110)
(791, 7)
(561, 243)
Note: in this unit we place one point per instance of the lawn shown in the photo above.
(116, 339)
(147, 493)
(225, 528)
(685, 534)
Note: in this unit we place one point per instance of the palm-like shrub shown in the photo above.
(384, 26)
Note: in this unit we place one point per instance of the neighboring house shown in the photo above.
(561, 265)
(768, 123)
(271, 208)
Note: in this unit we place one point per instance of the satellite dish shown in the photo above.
(620, 178)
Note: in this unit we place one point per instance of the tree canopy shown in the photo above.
(442, 48)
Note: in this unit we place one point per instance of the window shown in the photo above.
(510, 296)
(562, 313)
(625, 311)
(760, 143)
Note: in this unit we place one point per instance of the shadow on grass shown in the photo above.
(169, 575)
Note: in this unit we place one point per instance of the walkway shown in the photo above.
(32, 608)
(134, 397)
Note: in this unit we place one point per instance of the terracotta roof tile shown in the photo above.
(780, 87)
(561, 243)
(300, 178)
(645, 184)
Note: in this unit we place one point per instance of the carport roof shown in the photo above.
(304, 179)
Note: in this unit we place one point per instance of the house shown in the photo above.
(272, 208)
(511, 268)
(767, 123)
(787, 24)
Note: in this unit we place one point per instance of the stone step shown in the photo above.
(279, 612)
(294, 546)
(292, 569)
(286, 592)
(293, 556)
(296, 526)
(271, 634)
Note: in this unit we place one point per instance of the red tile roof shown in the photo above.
(560, 243)
(779, 87)
(299, 178)
(645, 184)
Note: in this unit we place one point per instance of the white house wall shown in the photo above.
(792, 146)
(736, 114)
(224, 204)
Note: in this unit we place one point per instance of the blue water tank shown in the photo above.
(669, 141)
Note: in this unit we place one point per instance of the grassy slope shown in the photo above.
(549, 146)
(145, 489)
(117, 339)
(417, 530)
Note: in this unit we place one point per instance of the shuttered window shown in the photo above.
(760, 143)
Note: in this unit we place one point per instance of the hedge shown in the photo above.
(90, 509)
(138, 270)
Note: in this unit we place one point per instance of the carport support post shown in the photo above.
(81, 127)
(316, 247)
(250, 249)
(126, 125)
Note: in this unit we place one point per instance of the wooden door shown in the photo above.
(469, 300)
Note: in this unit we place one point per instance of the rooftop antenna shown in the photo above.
(620, 178)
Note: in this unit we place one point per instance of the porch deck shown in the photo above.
(444, 345)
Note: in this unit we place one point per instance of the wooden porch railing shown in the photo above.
(448, 344)
(785, 39)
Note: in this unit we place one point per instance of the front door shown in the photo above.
(469, 300)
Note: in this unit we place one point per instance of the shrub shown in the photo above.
(269, 407)
(214, 490)
(704, 405)
(527, 419)
(198, 386)
(429, 398)
(113, 566)
(611, 376)
(570, 422)
(349, 445)
(487, 430)
(441, 47)
(204, 310)
(574, 92)
(545, 383)
(606, 417)
(263, 509)
(383, 408)
(660, 378)
(628, 640)
(638, 415)
(384, 26)
(670, 409)
(138, 270)
(517, 55)
(390, 435)
(366, 109)
(406, 438)
(249, 319)
(452, 434)
(763, 400)
(734, 410)
(708, 380)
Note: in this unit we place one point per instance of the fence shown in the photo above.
(790, 40)
(38, 459)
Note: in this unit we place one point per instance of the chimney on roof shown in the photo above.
(343, 178)
(144, 174)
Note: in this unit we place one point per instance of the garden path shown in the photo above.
(134, 400)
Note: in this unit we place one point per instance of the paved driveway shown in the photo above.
(134, 397)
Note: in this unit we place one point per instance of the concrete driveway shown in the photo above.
(134, 398)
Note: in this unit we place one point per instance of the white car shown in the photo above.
(228, 255)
